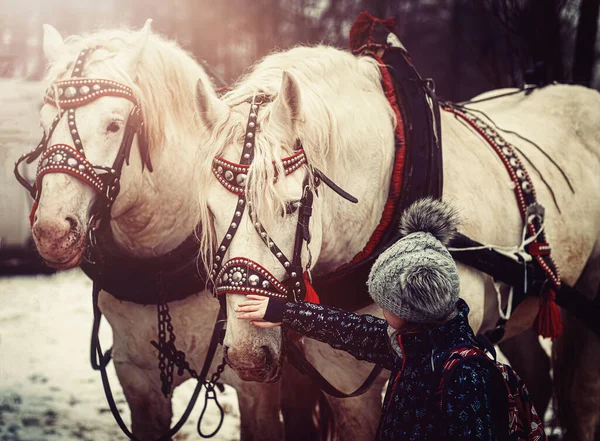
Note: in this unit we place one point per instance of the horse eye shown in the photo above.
(291, 207)
(113, 127)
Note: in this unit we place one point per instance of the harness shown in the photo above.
(125, 277)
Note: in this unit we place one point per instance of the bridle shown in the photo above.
(68, 95)
(244, 276)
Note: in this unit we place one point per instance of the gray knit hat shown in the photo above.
(416, 278)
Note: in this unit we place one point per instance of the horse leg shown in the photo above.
(577, 367)
(151, 412)
(531, 362)
(259, 409)
(297, 408)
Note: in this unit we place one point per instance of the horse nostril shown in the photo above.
(73, 224)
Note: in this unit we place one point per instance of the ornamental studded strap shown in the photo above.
(548, 321)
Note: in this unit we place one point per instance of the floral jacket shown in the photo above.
(474, 403)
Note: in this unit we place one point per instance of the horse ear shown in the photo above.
(286, 108)
(131, 56)
(53, 43)
(210, 108)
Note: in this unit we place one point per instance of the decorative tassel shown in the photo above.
(548, 321)
(311, 295)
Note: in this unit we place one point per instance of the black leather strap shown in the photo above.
(297, 358)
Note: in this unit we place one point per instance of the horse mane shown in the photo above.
(326, 77)
(163, 79)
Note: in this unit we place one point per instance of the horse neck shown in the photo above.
(160, 215)
(347, 227)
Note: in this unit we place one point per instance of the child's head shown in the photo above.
(416, 279)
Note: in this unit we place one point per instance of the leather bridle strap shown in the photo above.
(297, 358)
(67, 95)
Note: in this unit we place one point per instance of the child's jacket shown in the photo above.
(474, 406)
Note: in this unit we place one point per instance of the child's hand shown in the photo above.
(254, 310)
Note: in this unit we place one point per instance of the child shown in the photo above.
(416, 284)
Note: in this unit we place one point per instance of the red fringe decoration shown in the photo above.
(548, 321)
(397, 174)
(311, 294)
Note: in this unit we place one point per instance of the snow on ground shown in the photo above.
(48, 390)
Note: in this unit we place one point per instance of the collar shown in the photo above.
(455, 332)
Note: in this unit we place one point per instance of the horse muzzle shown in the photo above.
(60, 242)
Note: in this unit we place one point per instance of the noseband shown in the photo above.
(67, 95)
(244, 276)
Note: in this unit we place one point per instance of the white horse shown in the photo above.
(151, 215)
(332, 104)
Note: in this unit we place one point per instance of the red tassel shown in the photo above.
(311, 295)
(548, 321)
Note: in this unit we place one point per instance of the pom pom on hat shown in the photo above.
(430, 216)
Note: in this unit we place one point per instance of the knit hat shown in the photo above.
(416, 278)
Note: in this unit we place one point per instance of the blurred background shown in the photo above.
(467, 46)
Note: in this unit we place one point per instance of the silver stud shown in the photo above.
(246, 155)
(229, 175)
(77, 141)
(286, 264)
(263, 234)
(249, 135)
(241, 180)
(228, 236)
(220, 170)
(520, 174)
(84, 90)
(57, 157)
(238, 213)
(253, 280)
(79, 61)
(217, 258)
(241, 202)
(251, 124)
(265, 284)
(72, 162)
(237, 276)
(253, 115)
(233, 225)
(271, 244)
(225, 278)
(96, 87)
(74, 131)
(526, 187)
(293, 274)
(513, 162)
(70, 92)
(81, 167)
(222, 248)
(248, 145)
(278, 255)
(297, 284)
(506, 151)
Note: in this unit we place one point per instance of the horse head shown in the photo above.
(273, 220)
(114, 99)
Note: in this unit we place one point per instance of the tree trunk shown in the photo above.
(585, 44)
